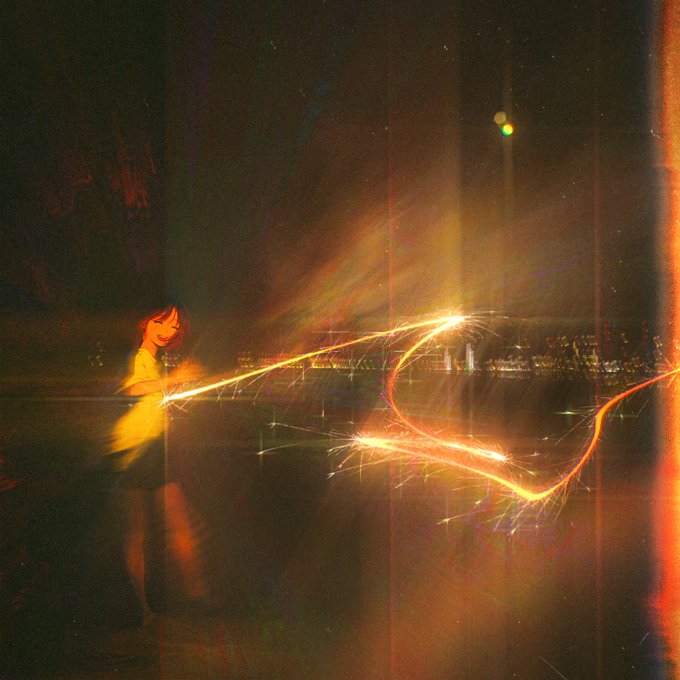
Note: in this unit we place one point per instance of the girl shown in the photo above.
(138, 450)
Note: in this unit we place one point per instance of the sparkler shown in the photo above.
(418, 443)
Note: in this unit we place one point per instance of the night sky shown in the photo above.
(287, 167)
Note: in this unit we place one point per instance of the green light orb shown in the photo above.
(507, 129)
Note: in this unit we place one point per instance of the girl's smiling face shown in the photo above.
(163, 329)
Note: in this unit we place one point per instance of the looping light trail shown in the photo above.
(442, 451)
(424, 445)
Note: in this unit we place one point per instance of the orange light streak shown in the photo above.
(668, 475)
(428, 446)
(449, 322)
(505, 481)
(406, 357)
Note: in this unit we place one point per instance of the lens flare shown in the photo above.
(500, 118)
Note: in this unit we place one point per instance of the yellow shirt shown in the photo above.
(145, 419)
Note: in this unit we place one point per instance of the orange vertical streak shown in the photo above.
(668, 528)
(182, 541)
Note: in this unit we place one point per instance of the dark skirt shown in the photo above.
(148, 471)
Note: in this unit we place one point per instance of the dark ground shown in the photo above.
(348, 577)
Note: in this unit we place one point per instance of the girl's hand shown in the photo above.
(187, 372)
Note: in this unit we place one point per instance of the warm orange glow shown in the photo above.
(668, 533)
(182, 541)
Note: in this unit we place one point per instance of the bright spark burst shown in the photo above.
(418, 444)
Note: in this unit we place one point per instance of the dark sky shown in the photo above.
(293, 165)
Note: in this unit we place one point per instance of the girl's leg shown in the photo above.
(182, 540)
(135, 504)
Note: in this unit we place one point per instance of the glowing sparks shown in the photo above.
(445, 323)
(404, 361)
(415, 442)
(441, 451)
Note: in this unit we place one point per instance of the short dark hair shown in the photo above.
(162, 310)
